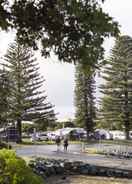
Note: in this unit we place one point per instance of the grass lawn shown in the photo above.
(121, 142)
(27, 141)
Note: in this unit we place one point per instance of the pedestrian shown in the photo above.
(65, 143)
(58, 143)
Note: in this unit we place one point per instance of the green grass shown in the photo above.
(75, 142)
(119, 142)
(26, 141)
(27, 159)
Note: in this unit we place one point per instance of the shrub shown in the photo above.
(4, 145)
(13, 170)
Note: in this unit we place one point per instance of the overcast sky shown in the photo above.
(59, 77)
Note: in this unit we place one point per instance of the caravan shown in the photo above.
(117, 135)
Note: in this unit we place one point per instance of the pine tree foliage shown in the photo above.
(4, 97)
(84, 99)
(27, 100)
(117, 100)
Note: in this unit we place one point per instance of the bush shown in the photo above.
(4, 145)
(13, 170)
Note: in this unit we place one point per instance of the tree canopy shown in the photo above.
(84, 99)
(73, 29)
(26, 99)
(117, 100)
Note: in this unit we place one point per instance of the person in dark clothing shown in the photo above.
(65, 143)
(58, 143)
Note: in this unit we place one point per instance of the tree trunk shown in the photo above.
(127, 124)
(126, 108)
(19, 130)
(87, 128)
(127, 133)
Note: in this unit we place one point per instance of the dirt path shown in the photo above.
(86, 180)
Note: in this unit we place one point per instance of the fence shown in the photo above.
(117, 150)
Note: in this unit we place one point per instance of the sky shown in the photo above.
(60, 82)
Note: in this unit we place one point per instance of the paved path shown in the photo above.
(74, 153)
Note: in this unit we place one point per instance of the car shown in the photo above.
(52, 136)
(39, 137)
(42, 137)
(25, 135)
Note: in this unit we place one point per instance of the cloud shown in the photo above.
(121, 12)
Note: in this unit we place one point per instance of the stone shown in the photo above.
(93, 170)
(84, 170)
(68, 165)
(48, 167)
(102, 172)
(110, 172)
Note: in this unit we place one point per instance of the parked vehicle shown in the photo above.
(25, 135)
(43, 137)
(36, 136)
(51, 136)
(117, 135)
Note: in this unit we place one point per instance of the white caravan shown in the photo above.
(117, 135)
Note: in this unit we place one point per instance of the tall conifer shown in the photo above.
(84, 99)
(27, 100)
(117, 100)
(4, 97)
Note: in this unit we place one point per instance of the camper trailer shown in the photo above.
(117, 135)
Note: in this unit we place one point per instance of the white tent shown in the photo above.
(102, 133)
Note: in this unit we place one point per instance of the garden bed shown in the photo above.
(52, 167)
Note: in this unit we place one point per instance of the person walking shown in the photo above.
(65, 144)
(58, 143)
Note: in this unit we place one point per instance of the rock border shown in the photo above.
(47, 167)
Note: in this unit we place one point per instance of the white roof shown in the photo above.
(28, 122)
(1, 129)
(102, 131)
(116, 131)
